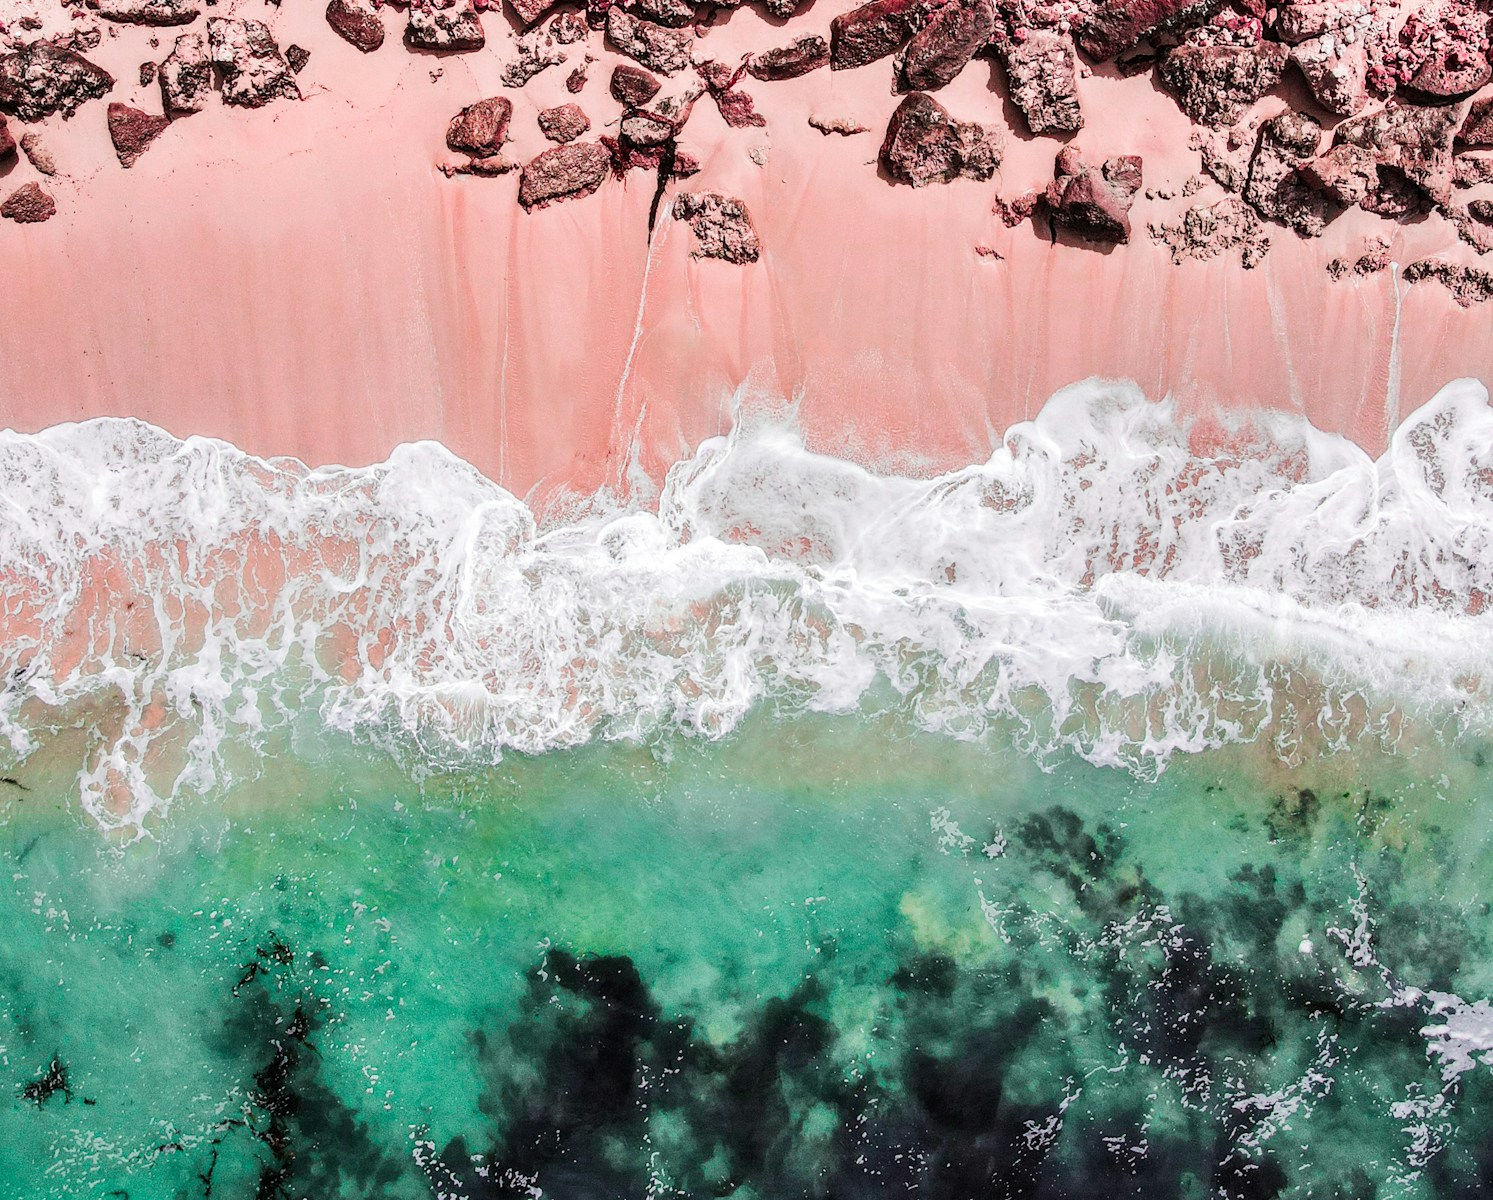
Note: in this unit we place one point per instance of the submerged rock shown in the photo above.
(186, 75)
(356, 23)
(132, 131)
(42, 78)
(1042, 68)
(563, 173)
(722, 226)
(1215, 85)
(944, 46)
(480, 129)
(1094, 202)
(924, 145)
(28, 204)
(254, 70)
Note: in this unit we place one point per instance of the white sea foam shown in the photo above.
(1104, 584)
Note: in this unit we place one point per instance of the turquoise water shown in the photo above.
(818, 958)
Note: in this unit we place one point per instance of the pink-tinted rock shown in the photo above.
(1275, 188)
(944, 46)
(567, 28)
(529, 11)
(1042, 68)
(576, 80)
(1119, 25)
(676, 14)
(480, 129)
(1347, 175)
(1093, 202)
(656, 46)
(875, 30)
(722, 227)
(1449, 42)
(41, 78)
(7, 142)
(924, 145)
(147, 12)
(807, 54)
(452, 30)
(186, 75)
(1477, 129)
(563, 123)
(132, 130)
(28, 204)
(1300, 22)
(1413, 141)
(1471, 168)
(535, 54)
(633, 86)
(1336, 72)
(37, 154)
(843, 126)
(254, 71)
(356, 23)
(647, 129)
(1215, 85)
(563, 173)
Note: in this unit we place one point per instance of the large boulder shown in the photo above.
(924, 145)
(873, 31)
(254, 71)
(1115, 26)
(807, 54)
(722, 227)
(1215, 85)
(147, 12)
(944, 46)
(42, 78)
(357, 23)
(1446, 41)
(1093, 201)
(656, 46)
(1477, 129)
(480, 129)
(1042, 68)
(563, 173)
(132, 130)
(443, 30)
(1336, 71)
(186, 75)
(1407, 141)
(1275, 187)
(28, 204)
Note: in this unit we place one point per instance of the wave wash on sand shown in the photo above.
(1112, 582)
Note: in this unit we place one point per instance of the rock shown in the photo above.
(657, 47)
(563, 173)
(874, 30)
(737, 108)
(529, 11)
(41, 78)
(534, 56)
(28, 204)
(37, 154)
(1477, 129)
(1448, 42)
(722, 227)
(944, 46)
(443, 30)
(1275, 187)
(567, 28)
(1042, 69)
(1469, 169)
(1093, 202)
(1302, 22)
(1215, 85)
(1013, 212)
(481, 129)
(1336, 72)
(254, 70)
(1347, 175)
(676, 14)
(485, 168)
(7, 142)
(1208, 230)
(356, 23)
(187, 75)
(564, 123)
(924, 145)
(807, 54)
(576, 80)
(1119, 25)
(148, 73)
(147, 12)
(297, 57)
(633, 86)
(1468, 285)
(647, 130)
(841, 125)
(1414, 142)
(132, 130)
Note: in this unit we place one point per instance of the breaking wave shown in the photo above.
(1114, 582)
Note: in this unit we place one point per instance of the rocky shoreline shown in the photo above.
(1297, 113)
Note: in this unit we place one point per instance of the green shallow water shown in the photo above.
(824, 958)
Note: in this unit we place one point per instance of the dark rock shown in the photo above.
(924, 145)
(28, 204)
(37, 154)
(1208, 230)
(563, 173)
(722, 227)
(132, 131)
(1275, 187)
(567, 28)
(41, 78)
(633, 86)
(7, 142)
(841, 125)
(147, 12)
(147, 73)
(807, 54)
(1119, 25)
(1468, 285)
(1469, 169)
(564, 123)
(676, 14)
(738, 109)
(1336, 72)
(187, 75)
(1042, 68)
(657, 47)
(454, 30)
(1013, 212)
(576, 80)
(944, 46)
(254, 70)
(1093, 202)
(1477, 129)
(356, 23)
(1412, 141)
(874, 30)
(481, 129)
(1215, 85)
(297, 57)
(529, 11)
